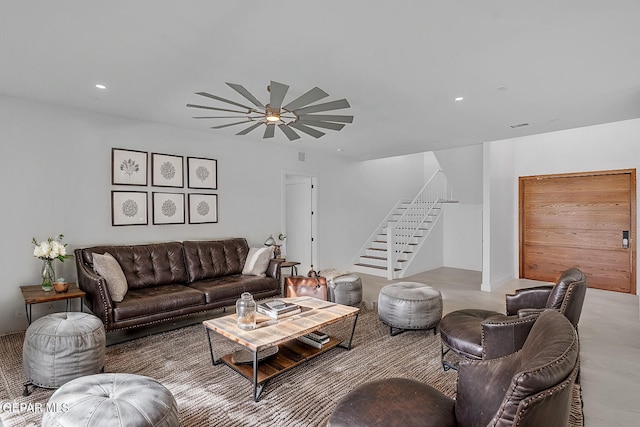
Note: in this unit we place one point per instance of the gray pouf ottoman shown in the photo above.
(62, 346)
(346, 290)
(107, 400)
(409, 305)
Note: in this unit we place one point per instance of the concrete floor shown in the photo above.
(609, 338)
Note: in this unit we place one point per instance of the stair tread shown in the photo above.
(384, 250)
(377, 267)
(384, 241)
(379, 258)
(427, 221)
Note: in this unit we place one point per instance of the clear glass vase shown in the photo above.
(48, 275)
(246, 311)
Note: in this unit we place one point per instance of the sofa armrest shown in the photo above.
(535, 297)
(273, 270)
(503, 335)
(98, 299)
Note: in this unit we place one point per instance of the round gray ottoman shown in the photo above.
(106, 400)
(409, 305)
(62, 346)
(346, 290)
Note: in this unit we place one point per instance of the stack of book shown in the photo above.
(278, 309)
(315, 339)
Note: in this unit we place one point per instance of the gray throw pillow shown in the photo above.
(107, 267)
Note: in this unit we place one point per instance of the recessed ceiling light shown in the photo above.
(501, 87)
(339, 150)
(460, 98)
(99, 86)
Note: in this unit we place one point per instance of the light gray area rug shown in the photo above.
(210, 395)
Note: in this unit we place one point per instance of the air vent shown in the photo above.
(301, 156)
(519, 125)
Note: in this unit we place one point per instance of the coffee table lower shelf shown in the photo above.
(290, 354)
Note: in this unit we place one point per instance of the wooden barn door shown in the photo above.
(579, 220)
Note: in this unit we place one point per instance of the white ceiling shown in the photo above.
(561, 64)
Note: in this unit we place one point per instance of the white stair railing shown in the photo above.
(421, 210)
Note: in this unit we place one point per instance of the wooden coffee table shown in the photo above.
(269, 333)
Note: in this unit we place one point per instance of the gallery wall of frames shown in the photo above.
(170, 202)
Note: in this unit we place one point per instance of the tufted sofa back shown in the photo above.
(145, 265)
(214, 258)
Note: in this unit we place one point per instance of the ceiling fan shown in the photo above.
(297, 114)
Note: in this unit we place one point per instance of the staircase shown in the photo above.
(404, 230)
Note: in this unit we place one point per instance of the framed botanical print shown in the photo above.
(168, 208)
(203, 208)
(129, 208)
(166, 170)
(128, 167)
(202, 173)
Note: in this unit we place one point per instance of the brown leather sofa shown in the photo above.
(173, 279)
(484, 334)
(532, 387)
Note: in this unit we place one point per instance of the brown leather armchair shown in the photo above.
(531, 387)
(483, 334)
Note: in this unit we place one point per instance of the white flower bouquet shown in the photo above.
(50, 249)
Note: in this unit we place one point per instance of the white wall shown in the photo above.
(499, 215)
(462, 245)
(430, 255)
(463, 168)
(609, 146)
(431, 165)
(56, 178)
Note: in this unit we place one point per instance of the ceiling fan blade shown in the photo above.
(289, 132)
(249, 129)
(278, 92)
(230, 124)
(270, 131)
(327, 118)
(217, 98)
(217, 109)
(306, 129)
(333, 105)
(242, 91)
(307, 98)
(326, 125)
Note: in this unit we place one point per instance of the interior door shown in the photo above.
(584, 220)
(298, 220)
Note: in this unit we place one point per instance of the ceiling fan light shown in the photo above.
(271, 114)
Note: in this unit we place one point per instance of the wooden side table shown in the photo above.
(292, 265)
(33, 294)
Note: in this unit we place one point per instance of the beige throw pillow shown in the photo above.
(257, 261)
(107, 267)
